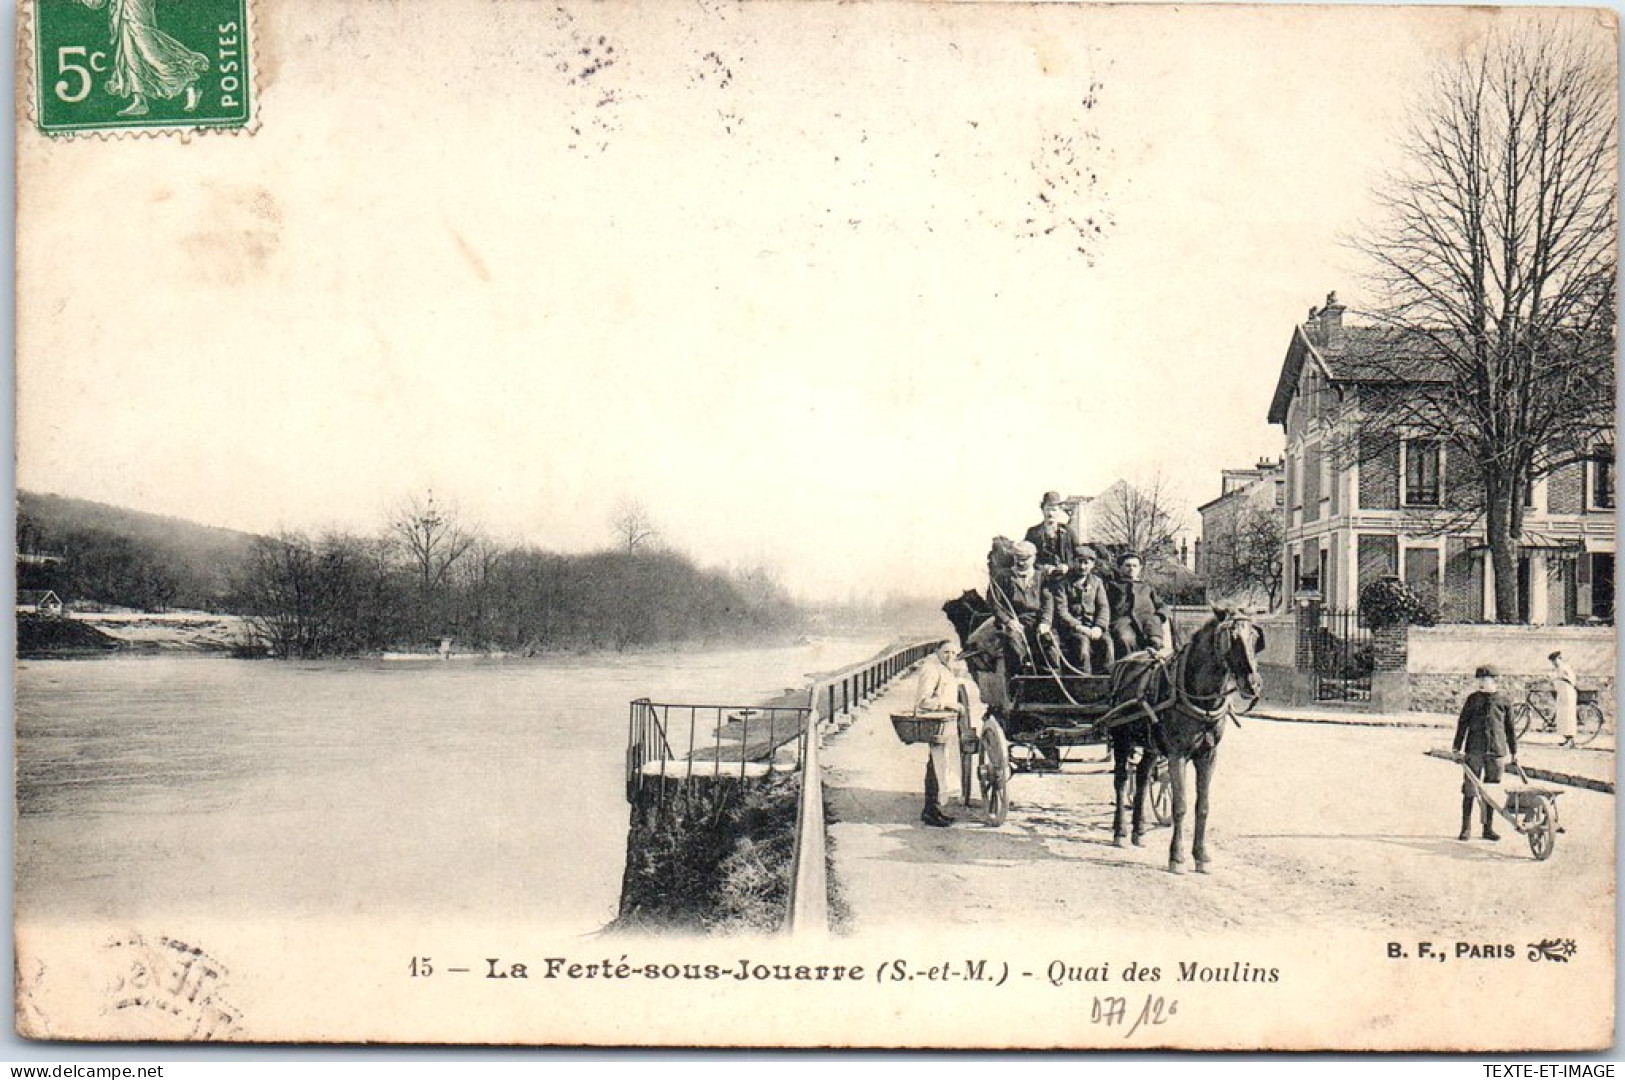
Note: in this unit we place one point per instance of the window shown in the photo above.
(1602, 478)
(1602, 586)
(1421, 472)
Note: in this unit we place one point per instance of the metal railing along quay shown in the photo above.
(808, 913)
(673, 747)
(675, 750)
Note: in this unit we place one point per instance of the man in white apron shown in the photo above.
(938, 691)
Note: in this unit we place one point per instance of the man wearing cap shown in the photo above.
(1485, 735)
(1017, 596)
(1140, 620)
(1052, 538)
(1077, 608)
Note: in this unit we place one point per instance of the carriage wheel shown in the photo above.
(1162, 794)
(1588, 723)
(994, 770)
(1542, 831)
(967, 747)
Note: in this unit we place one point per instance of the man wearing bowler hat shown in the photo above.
(1052, 538)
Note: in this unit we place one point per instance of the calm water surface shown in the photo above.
(169, 785)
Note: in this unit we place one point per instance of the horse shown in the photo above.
(966, 612)
(983, 652)
(1177, 708)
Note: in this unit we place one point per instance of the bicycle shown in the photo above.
(1540, 700)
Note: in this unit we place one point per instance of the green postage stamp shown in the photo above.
(106, 65)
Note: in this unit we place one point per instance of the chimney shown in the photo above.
(1331, 322)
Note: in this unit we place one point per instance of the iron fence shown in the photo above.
(672, 747)
(1343, 656)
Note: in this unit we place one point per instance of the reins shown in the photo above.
(1055, 676)
(1210, 710)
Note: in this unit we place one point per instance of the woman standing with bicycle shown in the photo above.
(1568, 697)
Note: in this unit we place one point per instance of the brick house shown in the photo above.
(1260, 490)
(1393, 507)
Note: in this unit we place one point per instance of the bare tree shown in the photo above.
(1137, 517)
(633, 526)
(431, 538)
(309, 597)
(432, 541)
(480, 582)
(1495, 262)
(1246, 562)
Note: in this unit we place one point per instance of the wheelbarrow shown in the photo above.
(1529, 809)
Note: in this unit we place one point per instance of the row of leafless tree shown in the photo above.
(427, 577)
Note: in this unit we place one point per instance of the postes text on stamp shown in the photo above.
(107, 65)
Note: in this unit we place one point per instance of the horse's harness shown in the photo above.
(1208, 711)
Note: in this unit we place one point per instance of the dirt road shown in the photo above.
(1311, 824)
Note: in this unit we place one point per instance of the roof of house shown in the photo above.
(1250, 480)
(1360, 354)
(1240, 494)
(35, 596)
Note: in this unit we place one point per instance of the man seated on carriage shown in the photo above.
(1017, 597)
(1140, 620)
(1052, 538)
(1077, 610)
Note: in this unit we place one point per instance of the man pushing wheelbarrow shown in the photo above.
(1485, 736)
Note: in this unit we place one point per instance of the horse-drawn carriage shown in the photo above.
(1156, 711)
(1031, 721)
(1043, 716)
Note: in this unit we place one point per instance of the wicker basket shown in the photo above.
(1585, 697)
(923, 727)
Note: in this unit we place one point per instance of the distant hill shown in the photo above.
(114, 555)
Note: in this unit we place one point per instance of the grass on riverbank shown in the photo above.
(718, 862)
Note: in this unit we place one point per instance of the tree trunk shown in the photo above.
(1503, 555)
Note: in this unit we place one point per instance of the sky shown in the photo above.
(779, 272)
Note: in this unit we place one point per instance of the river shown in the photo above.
(175, 785)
